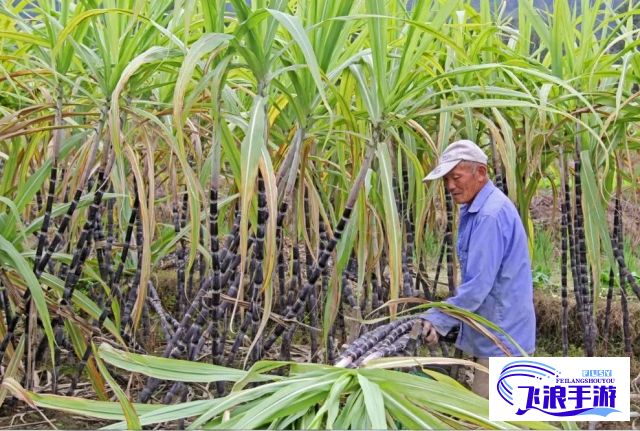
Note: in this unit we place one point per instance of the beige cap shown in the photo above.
(454, 154)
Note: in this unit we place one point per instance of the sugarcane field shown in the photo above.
(320, 214)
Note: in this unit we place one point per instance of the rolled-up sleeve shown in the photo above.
(484, 257)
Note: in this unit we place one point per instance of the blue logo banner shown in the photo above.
(583, 389)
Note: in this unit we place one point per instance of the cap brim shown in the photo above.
(441, 170)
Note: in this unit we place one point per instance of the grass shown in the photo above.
(545, 254)
(632, 256)
(546, 261)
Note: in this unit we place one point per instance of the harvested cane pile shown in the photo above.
(399, 337)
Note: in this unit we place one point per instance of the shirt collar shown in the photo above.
(481, 197)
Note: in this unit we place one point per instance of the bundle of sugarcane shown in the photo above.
(385, 340)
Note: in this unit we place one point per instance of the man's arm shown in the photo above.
(484, 257)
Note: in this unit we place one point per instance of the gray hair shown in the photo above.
(472, 166)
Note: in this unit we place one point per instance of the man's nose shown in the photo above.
(448, 184)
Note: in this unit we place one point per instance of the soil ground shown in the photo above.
(545, 212)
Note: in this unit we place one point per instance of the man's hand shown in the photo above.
(429, 333)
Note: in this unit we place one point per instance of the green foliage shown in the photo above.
(311, 396)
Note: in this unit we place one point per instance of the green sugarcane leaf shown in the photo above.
(304, 391)
(256, 370)
(14, 219)
(83, 302)
(534, 17)
(25, 194)
(270, 244)
(207, 44)
(171, 369)
(12, 368)
(294, 27)
(595, 222)
(370, 100)
(130, 414)
(507, 149)
(331, 406)
(379, 48)
(411, 415)
(392, 224)
(240, 397)
(166, 413)
(373, 402)
(250, 152)
(81, 406)
(24, 37)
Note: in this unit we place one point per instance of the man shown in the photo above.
(494, 260)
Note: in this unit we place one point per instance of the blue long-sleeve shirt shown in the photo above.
(496, 276)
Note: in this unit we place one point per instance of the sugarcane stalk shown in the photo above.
(6, 306)
(448, 238)
(133, 290)
(396, 341)
(618, 244)
(108, 247)
(563, 261)
(176, 347)
(572, 244)
(626, 324)
(215, 331)
(314, 319)
(364, 343)
(407, 252)
(287, 172)
(180, 253)
(347, 292)
(282, 268)
(57, 137)
(323, 259)
(436, 280)
(401, 344)
(42, 238)
(296, 277)
(607, 311)
(218, 331)
(585, 294)
(80, 255)
(285, 346)
(257, 277)
(501, 184)
(114, 291)
(167, 322)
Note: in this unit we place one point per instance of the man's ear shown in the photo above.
(482, 170)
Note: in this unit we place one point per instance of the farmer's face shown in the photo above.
(465, 181)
